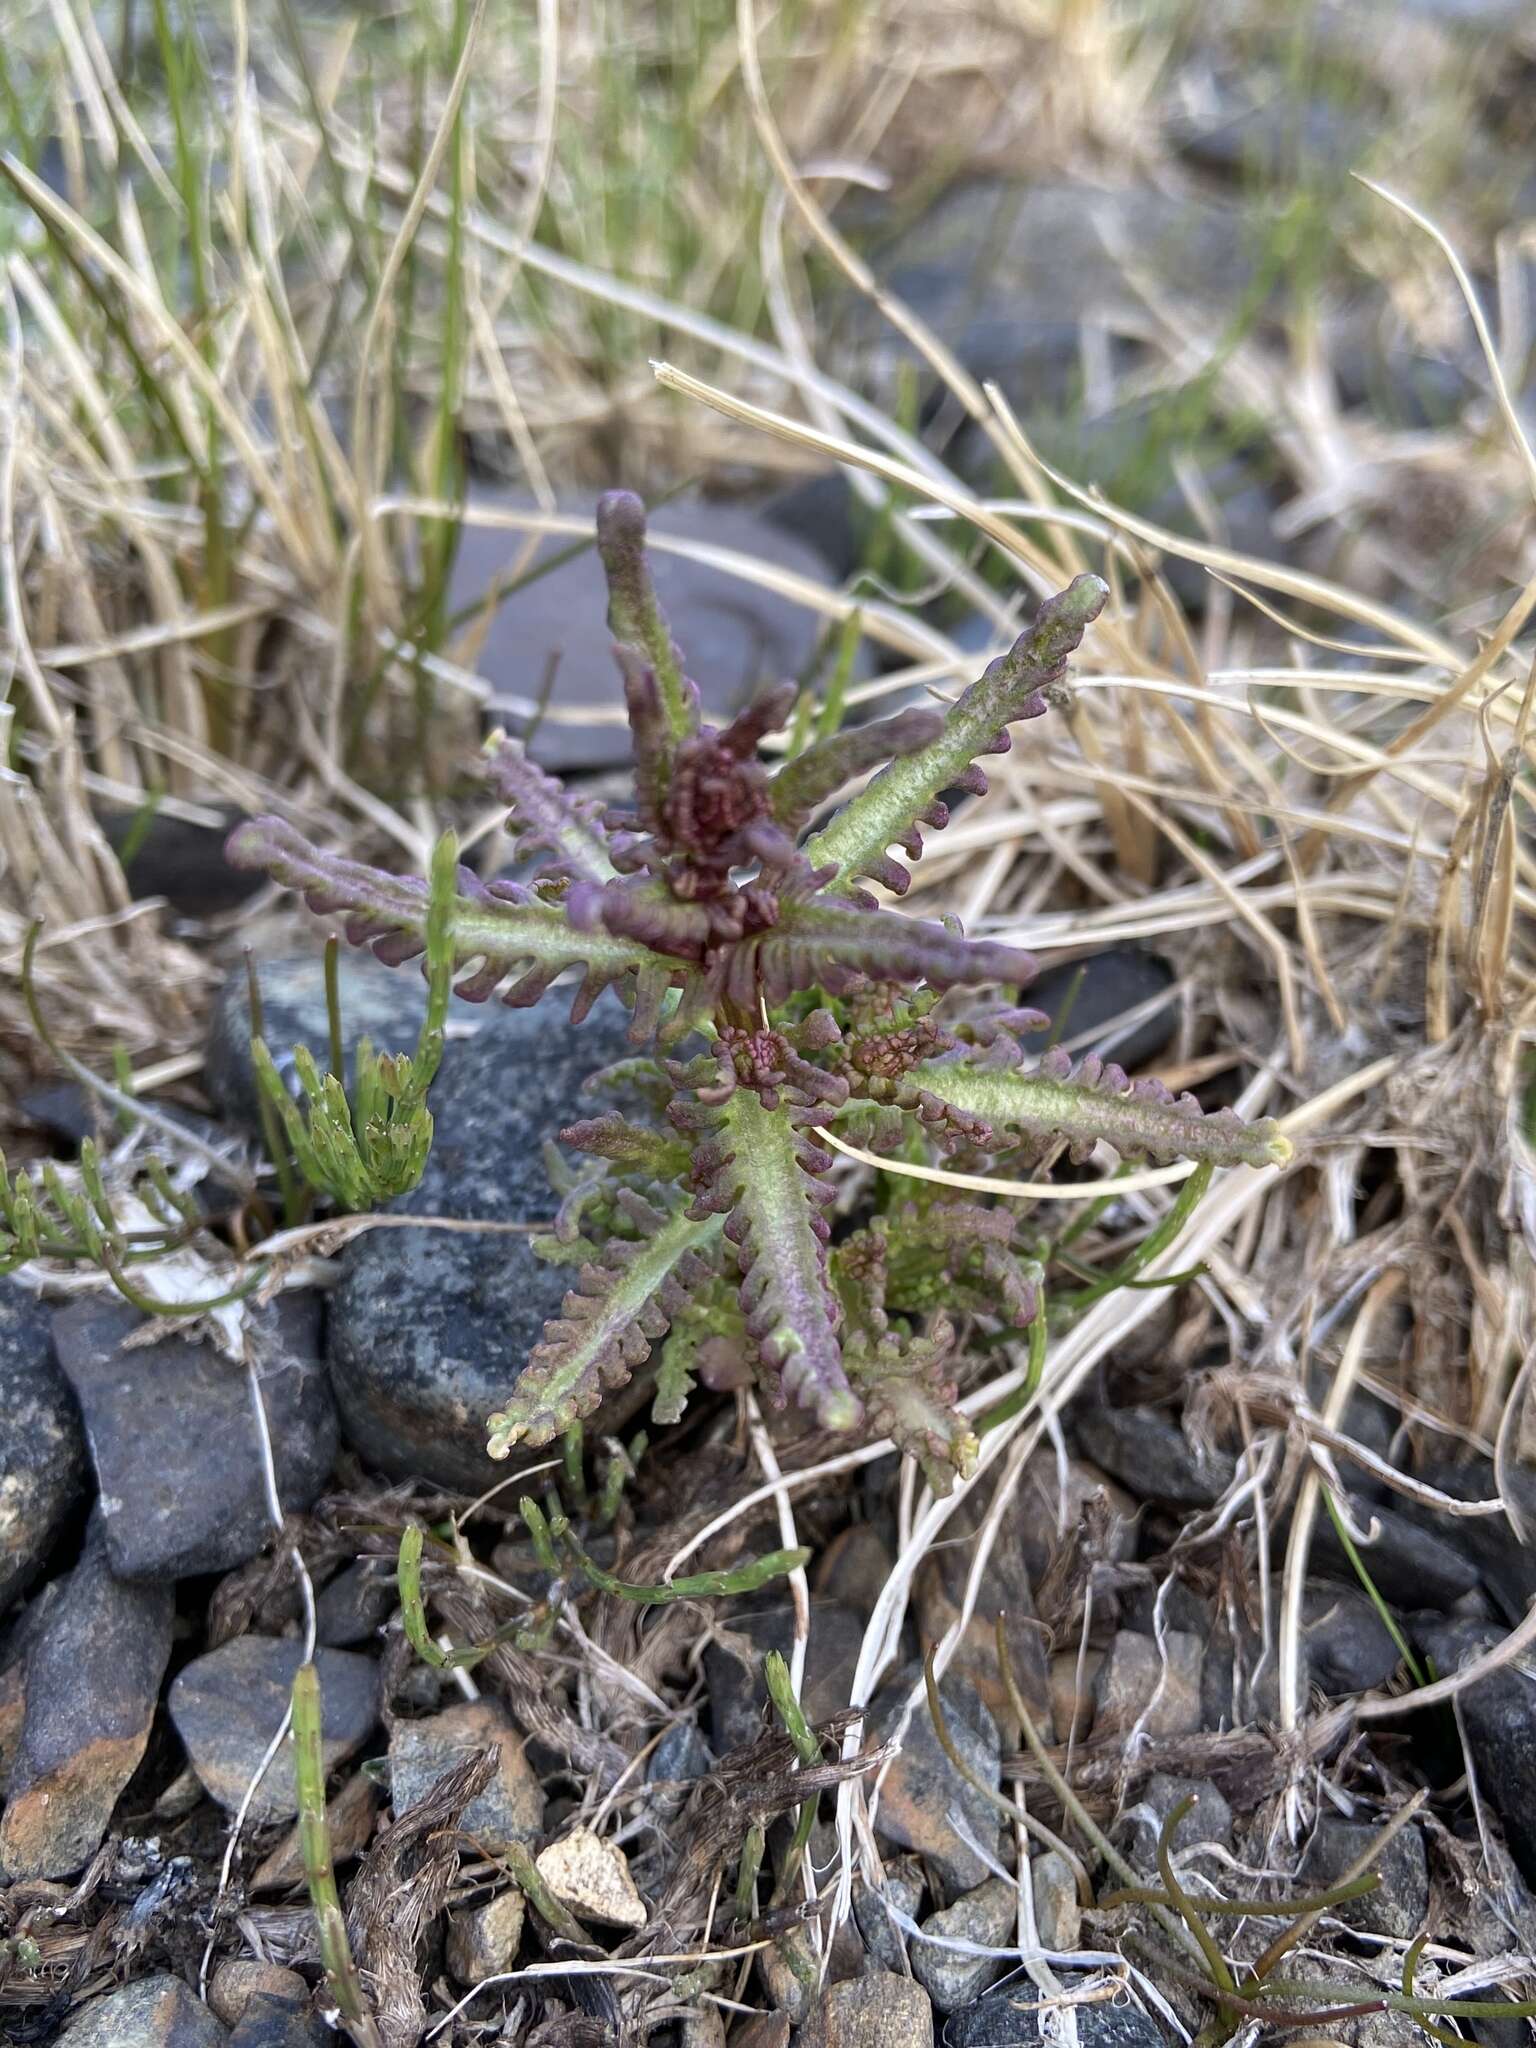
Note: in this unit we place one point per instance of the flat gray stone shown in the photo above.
(737, 637)
(93, 1673)
(174, 1440)
(42, 1447)
(154, 2012)
(228, 1704)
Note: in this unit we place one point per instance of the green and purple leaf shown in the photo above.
(608, 1323)
(906, 794)
(764, 1175)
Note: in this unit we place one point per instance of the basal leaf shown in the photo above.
(496, 928)
(906, 794)
(1139, 1118)
(606, 1326)
(765, 1172)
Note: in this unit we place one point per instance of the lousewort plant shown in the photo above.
(723, 927)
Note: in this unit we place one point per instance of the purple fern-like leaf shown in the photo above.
(496, 929)
(544, 816)
(761, 1170)
(807, 781)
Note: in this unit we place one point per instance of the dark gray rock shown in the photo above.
(925, 1804)
(736, 636)
(42, 1448)
(153, 2012)
(1506, 1565)
(1498, 1725)
(681, 1756)
(356, 1604)
(738, 1697)
(181, 859)
(1085, 1000)
(1398, 1906)
(1411, 1566)
(1010, 2018)
(1151, 1456)
(884, 1937)
(67, 1113)
(174, 1441)
(428, 1329)
(93, 1673)
(981, 264)
(986, 1919)
(383, 1004)
(1140, 1827)
(1277, 136)
(228, 1704)
(1239, 1680)
(1349, 1646)
(271, 2020)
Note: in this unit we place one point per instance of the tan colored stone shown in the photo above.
(349, 1819)
(236, 1982)
(1071, 1702)
(763, 2030)
(483, 1940)
(592, 1877)
(1135, 1688)
(877, 2011)
(941, 1587)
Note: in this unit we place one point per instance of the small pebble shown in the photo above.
(355, 1605)
(237, 1981)
(924, 1802)
(591, 1876)
(877, 2011)
(738, 1694)
(153, 2012)
(510, 1809)
(349, 1819)
(1152, 1457)
(274, 2020)
(228, 1704)
(1400, 1903)
(1136, 1688)
(1058, 1910)
(174, 1441)
(1073, 1680)
(42, 1447)
(425, 1333)
(483, 1940)
(986, 1918)
(1009, 2018)
(884, 1938)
